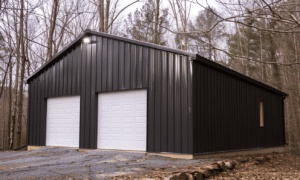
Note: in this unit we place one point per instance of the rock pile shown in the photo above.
(217, 167)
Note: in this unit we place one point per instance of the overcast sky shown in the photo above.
(193, 13)
(194, 8)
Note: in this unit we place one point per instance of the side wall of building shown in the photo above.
(114, 65)
(227, 114)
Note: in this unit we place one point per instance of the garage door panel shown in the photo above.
(121, 118)
(116, 130)
(140, 107)
(67, 131)
(104, 130)
(105, 108)
(77, 132)
(127, 114)
(140, 119)
(116, 108)
(106, 137)
(128, 107)
(127, 144)
(140, 114)
(115, 119)
(68, 141)
(128, 124)
(105, 125)
(139, 139)
(127, 130)
(63, 115)
(139, 131)
(69, 121)
(52, 130)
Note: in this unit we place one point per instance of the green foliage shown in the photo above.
(250, 43)
(140, 25)
(204, 41)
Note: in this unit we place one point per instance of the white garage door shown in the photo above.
(63, 121)
(122, 120)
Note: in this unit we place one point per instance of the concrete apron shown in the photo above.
(183, 156)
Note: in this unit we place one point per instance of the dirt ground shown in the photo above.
(281, 166)
(61, 163)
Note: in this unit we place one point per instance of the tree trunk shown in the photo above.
(107, 15)
(3, 85)
(23, 61)
(4, 80)
(15, 103)
(276, 72)
(185, 27)
(9, 103)
(52, 28)
(101, 15)
(15, 94)
(209, 48)
(262, 65)
(156, 23)
(61, 34)
(272, 50)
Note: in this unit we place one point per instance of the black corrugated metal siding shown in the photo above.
(193, 106)
(114, 65)
(226, 112)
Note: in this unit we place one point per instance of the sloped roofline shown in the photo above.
(192, 56)
(232, 72)
(89, 32)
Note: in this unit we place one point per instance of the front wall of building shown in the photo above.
(114, 65)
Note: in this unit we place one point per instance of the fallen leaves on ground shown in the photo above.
(278, 166)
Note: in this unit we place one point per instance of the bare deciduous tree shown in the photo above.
(181, 14)
(108, 13)
(52, 20)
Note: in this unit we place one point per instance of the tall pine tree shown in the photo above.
(204, 41)
(141, 24)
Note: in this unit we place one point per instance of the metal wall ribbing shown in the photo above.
(192, 106)
(226, 112)
(114, 65)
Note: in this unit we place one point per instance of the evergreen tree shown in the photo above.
(203, 43)
(245, 42)
(141, 24)
(255, 45)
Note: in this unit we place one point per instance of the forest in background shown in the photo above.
(258, 38)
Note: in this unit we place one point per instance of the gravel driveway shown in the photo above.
(50, 163)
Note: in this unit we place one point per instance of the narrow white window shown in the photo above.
(261, 114)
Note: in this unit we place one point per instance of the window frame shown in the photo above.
(261, 114)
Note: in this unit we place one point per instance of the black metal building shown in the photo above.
(194, 105)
